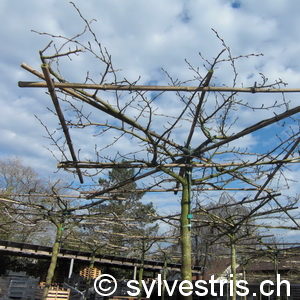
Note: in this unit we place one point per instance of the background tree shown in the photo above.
(18, 180)
(130, 207)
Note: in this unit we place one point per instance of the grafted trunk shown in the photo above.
(233, 267)
(89, 281)
(54, 255)
(186, 245)
(141, 270)
(244, 278)
(164, 277)
(276, 269)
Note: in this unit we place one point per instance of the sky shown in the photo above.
(142, 37)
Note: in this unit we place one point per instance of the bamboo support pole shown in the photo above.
(139, 236)
(10, 200)
(259, 226)
(115, 87)
(162, 190)
(271, 244)
(51, 89)
(116, 165)
(62, 196)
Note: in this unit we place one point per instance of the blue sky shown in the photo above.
(143, 37)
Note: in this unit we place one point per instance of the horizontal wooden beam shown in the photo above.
(118, 87)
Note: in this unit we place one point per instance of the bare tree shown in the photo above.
(194, 140)
(17, 179)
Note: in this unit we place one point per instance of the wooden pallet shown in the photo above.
(90, 272)
(58, 294)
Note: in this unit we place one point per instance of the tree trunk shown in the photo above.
(53, 263)
(164, 277)
(89, 280)
(244, 278)
(276, 269)
(205, 261)
(141, 271)
(233, 267)
(186, 245)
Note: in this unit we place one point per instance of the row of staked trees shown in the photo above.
(34, 211)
